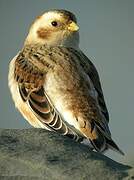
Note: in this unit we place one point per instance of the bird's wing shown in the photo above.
(91, 71)
(26, 81)
(100, 128)
(30, 79)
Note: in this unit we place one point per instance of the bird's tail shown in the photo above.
(103, 143)
(112, 145)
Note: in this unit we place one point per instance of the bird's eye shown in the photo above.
(54, 23)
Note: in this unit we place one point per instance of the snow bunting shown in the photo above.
(56, 87)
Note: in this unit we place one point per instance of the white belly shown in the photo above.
(59, 99)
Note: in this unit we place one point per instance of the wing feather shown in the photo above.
(45, 112)
(30, 76)
(30, 79)
(91, 71)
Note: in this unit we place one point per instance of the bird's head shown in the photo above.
(55, 27)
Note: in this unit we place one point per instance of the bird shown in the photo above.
(56, 87)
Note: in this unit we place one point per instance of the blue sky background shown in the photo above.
(106, 37)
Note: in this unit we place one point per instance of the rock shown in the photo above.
(39, 154)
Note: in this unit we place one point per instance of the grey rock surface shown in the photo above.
(39, 154)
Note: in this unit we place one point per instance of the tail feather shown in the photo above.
(99, 142)
(102, 143)
(111, 144)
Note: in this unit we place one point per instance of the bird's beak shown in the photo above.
(72, 26)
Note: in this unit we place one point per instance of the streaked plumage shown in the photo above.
(56, 87)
